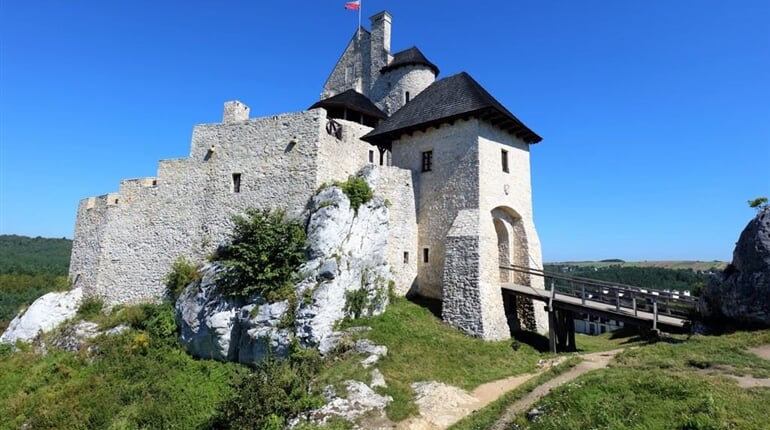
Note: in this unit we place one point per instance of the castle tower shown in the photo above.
(469, 158)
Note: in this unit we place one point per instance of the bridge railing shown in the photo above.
(625, 296)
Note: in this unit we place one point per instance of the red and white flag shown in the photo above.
(353, 5)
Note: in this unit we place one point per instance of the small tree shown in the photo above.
(181, 275)
(760, 203)
(263, 256)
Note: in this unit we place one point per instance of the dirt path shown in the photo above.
(442, 405)
(762, 351)
(590, 362)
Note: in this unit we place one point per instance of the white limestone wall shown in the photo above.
(451, 186)
(93, 216)
(389, 91)
(339, 159)
(123, 250)
(510, 192)
(395, 185)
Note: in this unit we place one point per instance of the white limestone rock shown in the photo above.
(347, 251)
(45, 314)
(207, 318)
(360, 401)
(356, 242)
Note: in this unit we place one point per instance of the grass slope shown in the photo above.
(664, 386)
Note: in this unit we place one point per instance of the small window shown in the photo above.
(371, 156)
(406, 258)
(427, 161)
(236, 182)
(504, 155)
(406, 97)
(425, 255)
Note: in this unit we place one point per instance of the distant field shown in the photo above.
(702, 266)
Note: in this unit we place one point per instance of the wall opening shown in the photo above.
(427, 161)
(512, 249)
(503, 249)
(406, 258)
(425, 255)
(504, 159)
(407, 97)
(371, 156)
(236, 182)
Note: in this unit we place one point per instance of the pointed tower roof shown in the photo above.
(447, 100)
(409, 57)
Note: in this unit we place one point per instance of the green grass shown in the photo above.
(422, 348)
(661, 386)
(134, 380)
(618, 339)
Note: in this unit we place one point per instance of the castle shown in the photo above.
(452, 162)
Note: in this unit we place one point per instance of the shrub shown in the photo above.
(90, 307)
(355, 302)
(276, 391)
(181, 275)
(264, 254)
(357, 190)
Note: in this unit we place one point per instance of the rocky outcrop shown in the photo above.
(45, 314)
(742, 291)
(347, 252)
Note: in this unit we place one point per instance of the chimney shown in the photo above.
(380, 41)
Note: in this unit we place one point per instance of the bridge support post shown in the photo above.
(552, 328)
(561, 335)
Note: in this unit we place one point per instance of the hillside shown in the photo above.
(29, 268)
(34, 256)
(702, 266)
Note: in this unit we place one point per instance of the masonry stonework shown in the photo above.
(457, 185)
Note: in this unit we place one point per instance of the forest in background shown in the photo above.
(29, 268)
(649, 277)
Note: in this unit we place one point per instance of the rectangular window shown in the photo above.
(236, 182)
(371, 156)
(427, 161)
(406, 258)
(505, 160)
(425, 255)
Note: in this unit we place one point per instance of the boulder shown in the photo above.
(742, 291)
(45, 314)
(347, 252)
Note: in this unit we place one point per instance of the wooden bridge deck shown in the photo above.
(608, 310)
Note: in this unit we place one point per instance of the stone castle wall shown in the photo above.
(126, 242)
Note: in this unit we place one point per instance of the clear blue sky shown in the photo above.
(655, 115)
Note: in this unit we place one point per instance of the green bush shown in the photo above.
(355, 302)
(181, 275)
(264, 254)
(357, 190)
(90, 307)
(276, 391)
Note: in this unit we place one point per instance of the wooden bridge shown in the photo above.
(568, 296)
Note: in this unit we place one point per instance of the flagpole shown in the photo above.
(360, 6)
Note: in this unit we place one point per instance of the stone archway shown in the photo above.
(512, 249)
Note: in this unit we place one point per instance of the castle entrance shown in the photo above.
(512, 250)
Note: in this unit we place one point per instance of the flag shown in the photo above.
(353, 5)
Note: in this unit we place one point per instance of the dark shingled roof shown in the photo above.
(449, 99)
(409, 57)
(353, 100)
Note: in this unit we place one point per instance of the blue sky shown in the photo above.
(655, 115)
